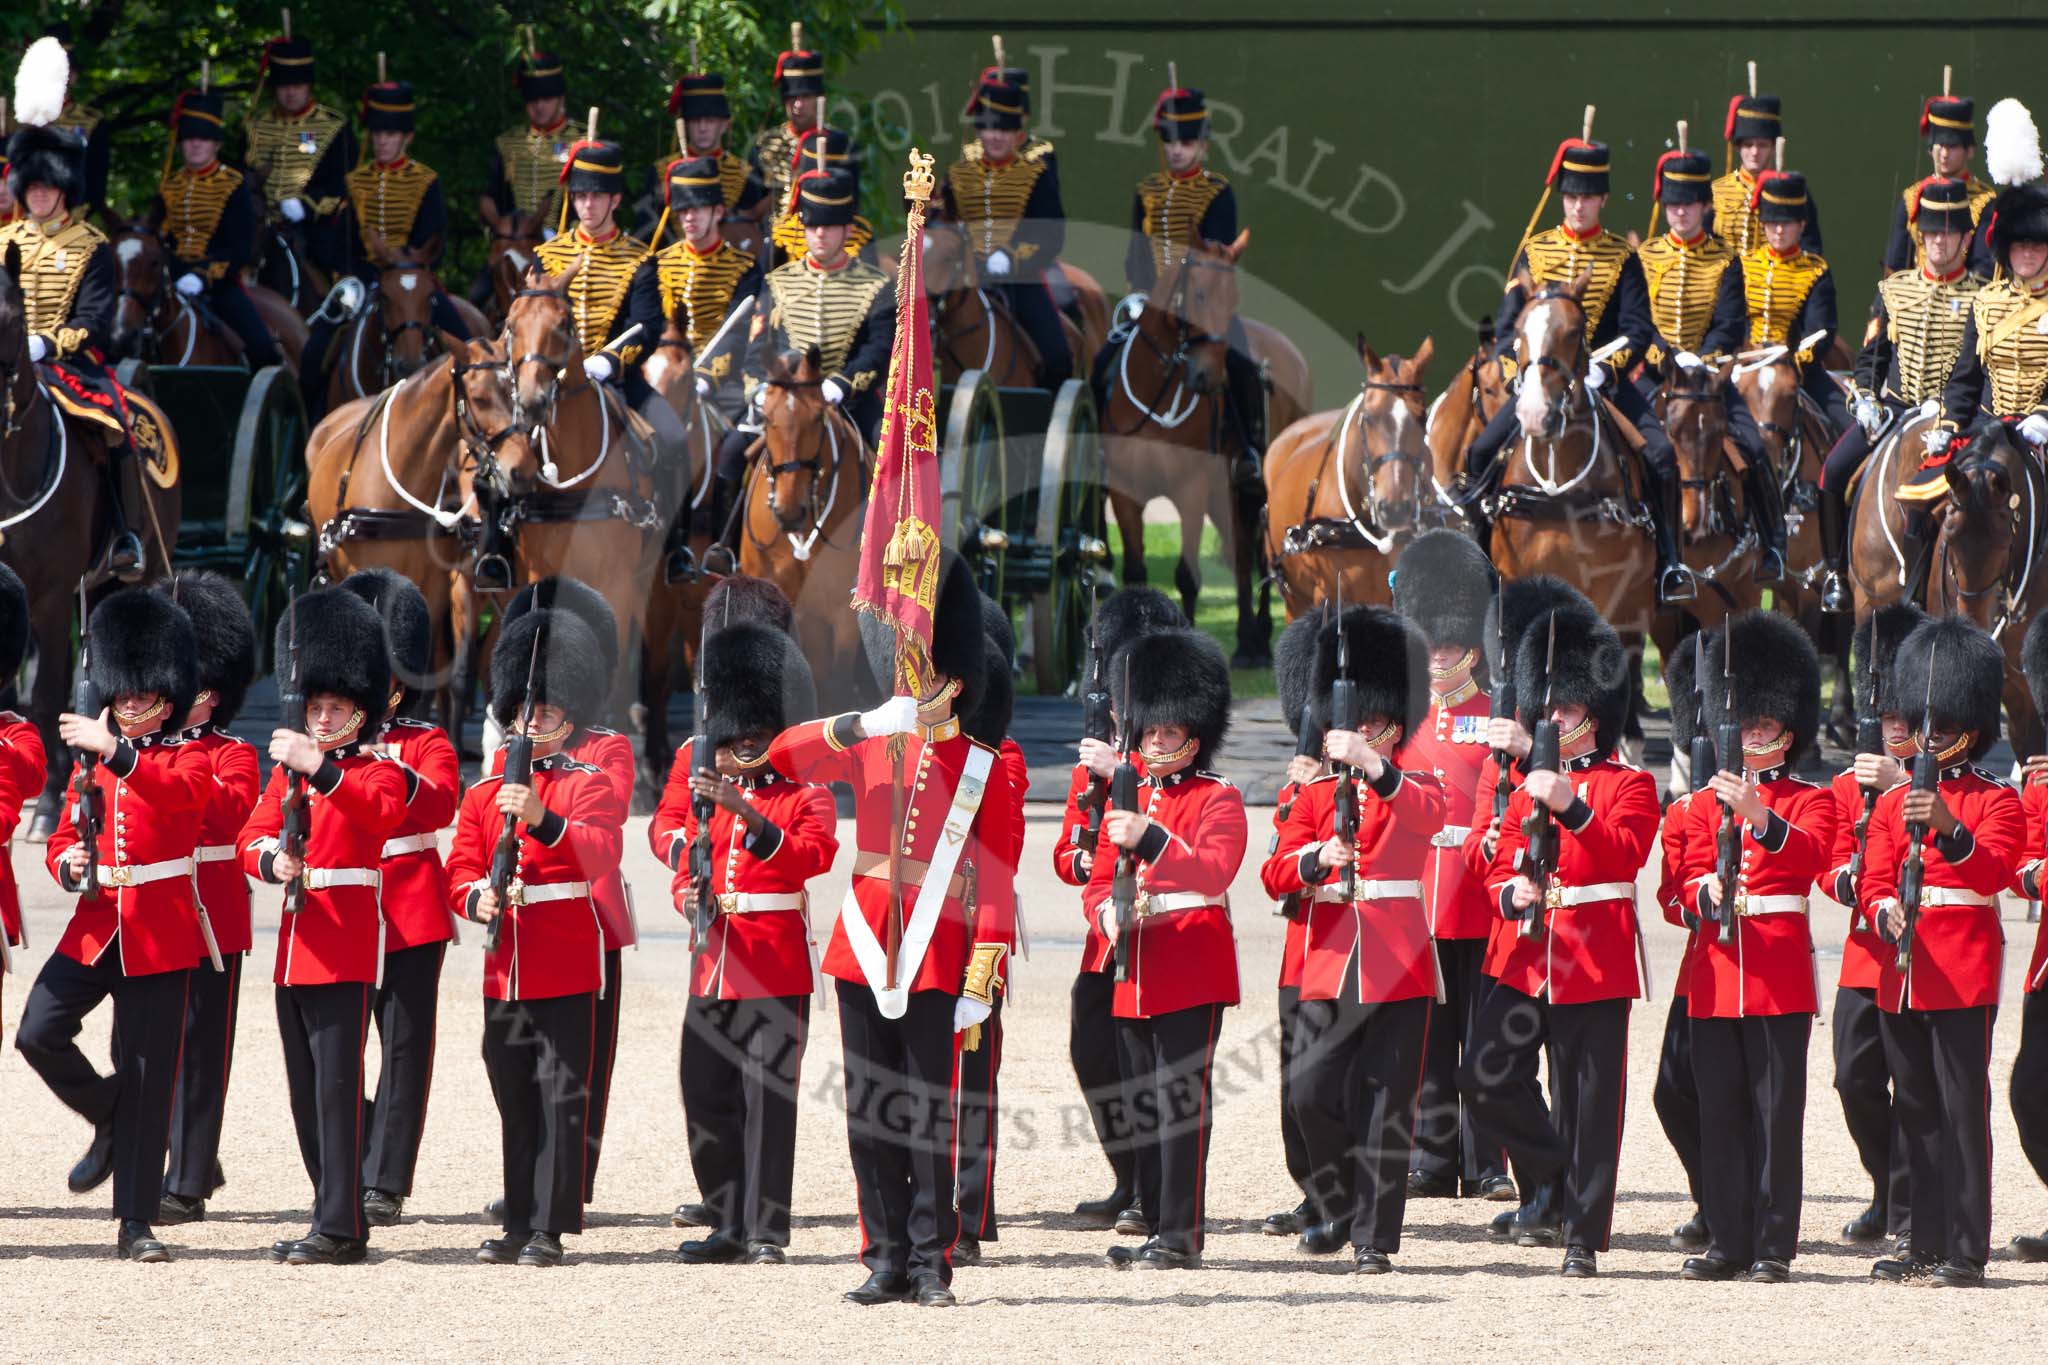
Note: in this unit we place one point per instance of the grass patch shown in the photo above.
(1216, 608)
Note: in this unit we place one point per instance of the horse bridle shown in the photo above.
(151, 305)
(478, 444)
(2015, 608)
(1574, 381)
(429, 342)
(554, 366)
(1186, 339)
(1374, 463)
(815, 464)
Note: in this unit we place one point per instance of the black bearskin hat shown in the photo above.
(570, 671)
(1520, 602)
(341, 649)
(143, 644)
(1680, 675)
(959, 633)
(226, 639)
(583, 602)
(2019, 214)
(1443, 582)
(1178, 677)
(1873, 649)
(595, 167)
(1294, 666)
(1776, 673)
(1591, 670)
(737, 597)
(1389, 661)
(1130, 612)
(408, 628)
(13, 624)
(995, 623)
(755, 680)
(1967, 669)
(2034, 663)
(989, 722)
(46, 156)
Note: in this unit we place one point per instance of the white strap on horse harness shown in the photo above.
(1369, 891)
(931, 895)
(1382, 544)
(408, 843)
(442, 517)
(63, 462)
(1172, 417)
(549, 470)
(802, 546)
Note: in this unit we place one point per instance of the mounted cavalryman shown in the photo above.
(297, 151)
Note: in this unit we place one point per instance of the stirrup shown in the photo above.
(126, 558)
(1675, 584)
(718, 554)
(493, 573)
(1834, 594)
(1770, 565)
(680, 567)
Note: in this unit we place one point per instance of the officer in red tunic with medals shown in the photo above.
(1573, 962)
(1180, 965)
(1863, 1078)
(2029, 1089)
(897, 1016)
(414, 899)
(748, 1015)
(1091, 1032)
(1676, 1096)
(330, 947)
(22, 760)
(1753, 992)
(544, 966)
(1444, 584)
(227, 661)
(1370, 972)
(138, 931)
(1939, 990)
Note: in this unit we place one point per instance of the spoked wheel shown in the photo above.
(973, 504)
(1072, 526)
(267, 499)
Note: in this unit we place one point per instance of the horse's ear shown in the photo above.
(453, 344)
(1236, 248)
(13, 262)
(1367, 356)
(573, 269)
(536, 278)
(1577, 290)
(1418, 364)
(813, 364)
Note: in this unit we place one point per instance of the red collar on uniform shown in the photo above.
(391, 165)
(552, 127)
(588, 240)
(1588, 235)
(1776, 254)
(1952, 275)
(1189, 174)
(712, 250)
(208, 169)
(795, 131)
(1687, 243)
(845, 260)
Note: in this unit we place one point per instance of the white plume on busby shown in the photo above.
(40, 83)
(2012, 144)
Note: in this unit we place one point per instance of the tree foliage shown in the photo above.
(130, 58)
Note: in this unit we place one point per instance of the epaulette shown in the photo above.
(576, 765)
(1218, 777)
(486, 777)
(1318, 781)
(1991, 777)
(411, 724)
(1036, 150)
(1809, 782)
(598, 730)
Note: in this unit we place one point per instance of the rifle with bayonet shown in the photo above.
(1728, 744)
(1913, 872)
(1096, 723)
(1499, 665)
(1123, 795)
(88, 806)
(1701, 752)
(1344, 716)
(518, 772)
(703, 763)
(1869, 740)
(1539, 826)
(295, 812)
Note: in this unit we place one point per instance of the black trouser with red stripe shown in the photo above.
(740, 1065)
(538, 1056)
(1293, 1146)
(1357, 1076)
(1098, 1066)
(899, 1129)
(207, 1056)
(1863, 1079)
(604, 1054)
(2030, 1082)
(325, 1030)
(406, 1008)
(1582, 1146)
(1676, 1096)
(1447, 1146)
(1751, 1076)
(1167, 1061)
(1941, 1082)
(974, 1176)
(148, 1014)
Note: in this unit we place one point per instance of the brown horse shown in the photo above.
(802, 519)
(514, 236)
(1355, 483)
(973, 331)
(1988, 557)
(390, 480)
(55, 520)
(154, 322)
(1460, 412)
(393, 336)
(1797, 439)
(1715, 535)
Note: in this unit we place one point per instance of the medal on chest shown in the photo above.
(307, 145)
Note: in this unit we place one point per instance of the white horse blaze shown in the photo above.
(1530, 401)
(408, 281)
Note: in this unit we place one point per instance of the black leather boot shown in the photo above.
(1767, 513)
(1834, 549)
(1675, 582)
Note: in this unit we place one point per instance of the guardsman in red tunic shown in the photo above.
(1676, 1096)
(1370, 971)
(1754, 987)
(414, 896)
(748, 1016)
(1566, 981)
(2029, 1090)
(995, 889)
(1188, 841)
(330, 948)
(1091, 1031)
(21, 760)
(1939, 990)
(227, 662)
(1863, 1078)
(139, 932)
(897, 1018)
(1444, 584)
(543, 973)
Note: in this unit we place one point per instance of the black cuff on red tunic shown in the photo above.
(2030, 882)
(846, 730)
(1845, 888)
(678, 847)
(551, 828)
(266, 868)
(124, 759)
(1776, 830)
(326, 777)
(766, 842)
(1313, 873)
(1387, 783)
(1576, 816)
(1956, 847)
(1153, 844)
(1507, 901)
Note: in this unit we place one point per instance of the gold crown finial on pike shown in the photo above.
(917, 181)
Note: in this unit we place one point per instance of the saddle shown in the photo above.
(95, 398)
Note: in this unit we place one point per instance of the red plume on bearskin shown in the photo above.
(1557, 160)
(1657, 175)
(1728, 126)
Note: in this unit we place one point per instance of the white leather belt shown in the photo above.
(1954, 895)
(215, 853)
(528, 893)
(321, 878)
(1585, 895)
(1749, 906)
(759, 902)
(140, 874)
(1370, 891)
(409, 843)
(1451, 836)
(1168, 902)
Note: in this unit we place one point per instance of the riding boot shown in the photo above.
(126, 557)
(725, 489)
(1767, 511)
(1834, 549)
(1675, 582)
(1917, 526)
(1246, 394)
(678, 564)
(495, 547)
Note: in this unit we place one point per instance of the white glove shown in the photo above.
(833, 392)
(294, 210)
(704, 386)
(1869, 415)
(1686, 360)
(1596, 379)
(190, 285)
(896, 716)
(1936, 439)
(599, 367)
(38, 350)
(967, 1013)
(998, 263)
(2034, 430)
